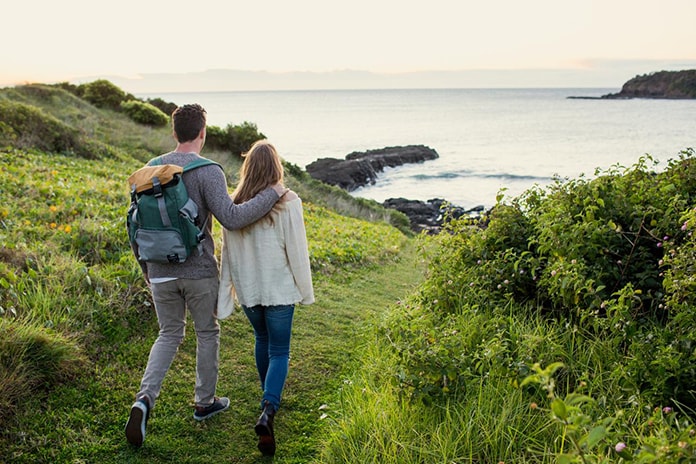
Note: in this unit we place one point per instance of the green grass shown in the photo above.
(83, 421)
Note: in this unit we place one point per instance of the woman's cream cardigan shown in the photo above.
(267, 263)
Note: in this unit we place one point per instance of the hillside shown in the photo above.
(76, 318)
(662, 84)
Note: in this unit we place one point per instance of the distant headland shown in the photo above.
(662, 84)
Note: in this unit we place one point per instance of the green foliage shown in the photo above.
(166, 107)
(103, 94)
(596, 275)
(592, 437)
(592, 254)
(236, 139)
(144, 113)
(33, 358)
(29, 127)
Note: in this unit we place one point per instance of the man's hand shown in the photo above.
(280, 189)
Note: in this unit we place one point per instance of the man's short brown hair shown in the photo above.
(188, 121)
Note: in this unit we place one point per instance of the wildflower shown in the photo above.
(659, 244)
(666, 410)
(683, 227)
(449, 282)
(499, 286)
(471, 284)
(620, 446)
(506, 281)
(53, 225)
(533, 406)
(682, 444)
(53, 208)
(665, 238)
(553, 273)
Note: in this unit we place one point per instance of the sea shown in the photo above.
(493, 143)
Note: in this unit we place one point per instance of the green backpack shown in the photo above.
(162, 220)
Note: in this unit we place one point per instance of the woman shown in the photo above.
(266, 265)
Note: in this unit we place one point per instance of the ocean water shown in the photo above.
(490, 141)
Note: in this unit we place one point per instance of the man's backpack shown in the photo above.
(162, 220)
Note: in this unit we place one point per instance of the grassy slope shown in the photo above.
(83, 421)
(66, 272)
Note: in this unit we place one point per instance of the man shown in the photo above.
(192, 284)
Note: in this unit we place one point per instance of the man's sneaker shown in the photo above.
(135, 427)
(204, 412)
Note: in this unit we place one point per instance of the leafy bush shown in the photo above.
(144, 113)
(30, 127)
(103, 94)
(26, 126)
(166, 107)
(613, 257)
(236, 139)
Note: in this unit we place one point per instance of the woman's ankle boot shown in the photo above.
(264, 430)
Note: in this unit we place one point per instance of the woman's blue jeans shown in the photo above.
(272, 330)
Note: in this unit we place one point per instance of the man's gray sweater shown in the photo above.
(207, 186)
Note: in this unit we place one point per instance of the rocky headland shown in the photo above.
(359, 169)
(662, 84)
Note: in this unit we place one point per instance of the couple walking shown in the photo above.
(264, 265)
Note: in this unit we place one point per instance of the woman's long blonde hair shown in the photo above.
(261, 169)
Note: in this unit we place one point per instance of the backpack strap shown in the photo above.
(198, 163)
(161, 205)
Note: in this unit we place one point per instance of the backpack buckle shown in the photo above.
(156, 187)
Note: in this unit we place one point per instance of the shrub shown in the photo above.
(612, 257)
(144, 113)
(166, 107)
(235, 139)
(103, 94)
(27, 126)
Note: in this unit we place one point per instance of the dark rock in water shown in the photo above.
(361, 168)
(429, 216)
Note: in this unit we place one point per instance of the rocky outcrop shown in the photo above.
(362, 168)
(431, 215)
(663, 84)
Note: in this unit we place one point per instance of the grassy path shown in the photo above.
(326, 336)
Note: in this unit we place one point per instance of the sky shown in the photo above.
(150, 40)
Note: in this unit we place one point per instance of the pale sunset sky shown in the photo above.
(77, 40)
